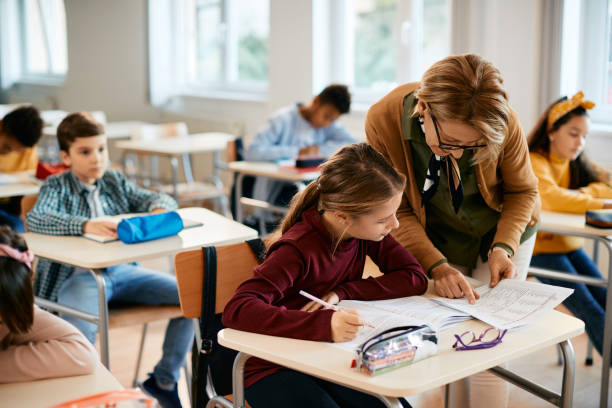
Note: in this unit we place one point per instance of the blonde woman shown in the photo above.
(470, 205)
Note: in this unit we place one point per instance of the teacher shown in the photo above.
(470, 205)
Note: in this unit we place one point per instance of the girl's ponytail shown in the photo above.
(299, 203)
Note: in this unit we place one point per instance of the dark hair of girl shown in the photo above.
(16, 292)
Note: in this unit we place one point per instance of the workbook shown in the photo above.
(187, 223)
(508, 305)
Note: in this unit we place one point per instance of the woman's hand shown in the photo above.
(158, 210)
(330, 298)
(500, 265)
(104, 228)
(450, 283)
(345, 324)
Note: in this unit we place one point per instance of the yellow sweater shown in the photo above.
(553, 175)
(19, 161)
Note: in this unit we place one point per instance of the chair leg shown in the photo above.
(187, 379)
(589, 353)
(139, 360)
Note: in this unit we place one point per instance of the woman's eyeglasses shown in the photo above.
(448, 146)
(469, 341)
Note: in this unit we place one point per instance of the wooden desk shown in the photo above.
(44, 393)
(28, 185)
(574, 225)
(88, 254)
(269, 170)
(181, 148)
(330, 363)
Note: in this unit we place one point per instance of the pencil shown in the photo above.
(327, 305)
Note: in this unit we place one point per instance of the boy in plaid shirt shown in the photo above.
(68, 204)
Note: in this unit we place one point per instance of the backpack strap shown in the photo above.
(209, 295)
(259, 248)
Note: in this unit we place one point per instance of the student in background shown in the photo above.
(338, 220)
(300, 130)
(20, 130)
(68, 204)
(34, 344)
(569, 182)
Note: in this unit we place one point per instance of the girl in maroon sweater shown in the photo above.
(338, 220)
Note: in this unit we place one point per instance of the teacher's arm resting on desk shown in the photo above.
(51, 348)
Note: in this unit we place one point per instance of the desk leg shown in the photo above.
(174, 164)
(238, 379)
(607, 341)
(102, 317)
(238, 196)
(390, 402)
(569, 373)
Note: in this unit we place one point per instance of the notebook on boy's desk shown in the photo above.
(508, 305)
(187, 223)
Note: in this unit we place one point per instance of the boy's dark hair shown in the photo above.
(338, 96)
(24, 125)
(16, 292)
(75, 125)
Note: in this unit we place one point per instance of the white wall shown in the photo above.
(107, 51)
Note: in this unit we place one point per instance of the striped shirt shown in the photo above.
(63, 208)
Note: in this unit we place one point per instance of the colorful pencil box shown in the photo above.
(599, 218)
(394, 348)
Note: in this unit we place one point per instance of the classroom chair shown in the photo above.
(190, 191)
(235, 264)
(119, 316)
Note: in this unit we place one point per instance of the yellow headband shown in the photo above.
(566, 106)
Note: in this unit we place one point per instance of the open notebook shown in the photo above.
(510, 304)
(187, 223)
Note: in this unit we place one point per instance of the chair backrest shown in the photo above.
(235, 264)
(161, 131)
(27, 203)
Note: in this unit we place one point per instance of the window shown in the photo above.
(378, 44)
(33, 43)
(587, 54)
(208, 48)
(44, 27)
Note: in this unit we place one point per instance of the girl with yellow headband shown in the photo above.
(568, 182)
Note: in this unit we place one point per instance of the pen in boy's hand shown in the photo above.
(327, 305)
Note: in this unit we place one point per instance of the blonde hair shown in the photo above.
(469, 89)
(355, 180)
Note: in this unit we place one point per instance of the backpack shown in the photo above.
(212, 363)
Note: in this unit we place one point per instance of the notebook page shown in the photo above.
(511, 303)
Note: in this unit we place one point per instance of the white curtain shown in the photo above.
(550, 57)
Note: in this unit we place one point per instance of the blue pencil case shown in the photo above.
(599, 218)
(149, 227)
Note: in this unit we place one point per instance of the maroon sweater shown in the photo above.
(301, 259)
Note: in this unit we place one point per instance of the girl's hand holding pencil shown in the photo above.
(345, 323)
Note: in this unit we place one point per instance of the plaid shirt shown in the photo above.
(62, 209)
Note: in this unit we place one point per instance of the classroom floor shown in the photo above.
(540, 367)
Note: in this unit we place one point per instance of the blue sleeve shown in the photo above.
(336, 136)
(268, 144)
(49, 216)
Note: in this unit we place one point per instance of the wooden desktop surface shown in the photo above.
(271, 170)
(44, 393)
(571, 223)
(195, 143)
(85, 253)
(327, 362)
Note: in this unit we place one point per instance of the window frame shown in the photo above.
(226, 87)
(27, 76)
(333, 27)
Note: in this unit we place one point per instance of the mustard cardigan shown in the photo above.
(553, 175)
